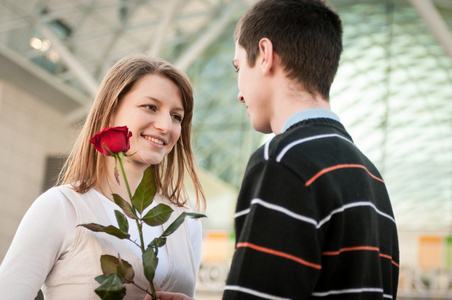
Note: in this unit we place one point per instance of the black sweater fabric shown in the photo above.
(313, 221)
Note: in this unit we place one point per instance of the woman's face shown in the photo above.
(153, 112)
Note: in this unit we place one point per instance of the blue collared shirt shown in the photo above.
(313, 113)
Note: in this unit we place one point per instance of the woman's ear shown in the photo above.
(265, 58)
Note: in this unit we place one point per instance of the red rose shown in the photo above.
(112, 140)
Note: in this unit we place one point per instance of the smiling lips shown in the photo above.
(154, 140)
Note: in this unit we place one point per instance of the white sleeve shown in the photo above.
(44, 234)
(195, 227)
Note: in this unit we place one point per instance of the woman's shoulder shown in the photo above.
(53, 196)
(63, 197)
(58, 191)
(159, 198)
(51, 205)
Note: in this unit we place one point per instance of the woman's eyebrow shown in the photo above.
(180, 108)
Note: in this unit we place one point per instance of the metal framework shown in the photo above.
(76, 41)
(392, 91)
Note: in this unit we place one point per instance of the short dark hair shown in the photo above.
(306, 34)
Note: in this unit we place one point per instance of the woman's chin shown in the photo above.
(144, 162)
(154, 160)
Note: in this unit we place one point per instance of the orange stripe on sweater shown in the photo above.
(343, 166)
(279, 253)
(389, 257)
(351, 249)
(361, 248)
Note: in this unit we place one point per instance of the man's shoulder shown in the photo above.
(307, 136)
(276, 148)
(304, 143)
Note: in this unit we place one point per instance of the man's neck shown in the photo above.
(286, 106)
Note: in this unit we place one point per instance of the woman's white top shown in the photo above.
(50, 252)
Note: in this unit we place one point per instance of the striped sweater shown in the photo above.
(313, 221)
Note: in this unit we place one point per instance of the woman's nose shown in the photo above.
(163, 122)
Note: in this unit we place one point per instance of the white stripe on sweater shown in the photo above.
(266, 150)
(241, 213)
(350, 291)
(284, 211)
(351, 205)
(276, 208)
(253, 292)
(308, 139)
(308, 219)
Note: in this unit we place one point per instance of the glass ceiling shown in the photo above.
(393, 90)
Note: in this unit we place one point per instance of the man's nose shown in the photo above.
(240, 98)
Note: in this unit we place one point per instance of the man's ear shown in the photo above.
(265, 58)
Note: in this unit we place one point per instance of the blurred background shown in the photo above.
(393, 92)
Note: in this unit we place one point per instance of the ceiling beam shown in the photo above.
(209, 36)
(435, 22)
(38, 82)
(162, 28)
(117, 32)
(85, 78)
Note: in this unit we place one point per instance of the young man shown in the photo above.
(313, 217)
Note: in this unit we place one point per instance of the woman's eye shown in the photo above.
(177, 118)
(150, 107)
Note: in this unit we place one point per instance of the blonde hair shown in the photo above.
(86, 165)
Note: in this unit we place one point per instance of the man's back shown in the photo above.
(313, 220)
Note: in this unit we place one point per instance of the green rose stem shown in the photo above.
(118, 158)
(139, 224)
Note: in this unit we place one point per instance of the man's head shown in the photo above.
(306, 35)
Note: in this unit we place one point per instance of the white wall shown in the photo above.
(30, 131)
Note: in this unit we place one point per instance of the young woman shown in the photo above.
(155, 101)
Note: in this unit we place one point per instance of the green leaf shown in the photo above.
(173, 227)
(111, 289)
(145, 192)
(125, 270)
(112, 230)
(125, 206)
(150, 261)
(93, 227)
(122, 221)
(158, 242)
(115, 265)
(194, 215)
(109, 264)
(100, 279)
(158, 215)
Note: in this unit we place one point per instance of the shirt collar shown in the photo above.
(313, 113)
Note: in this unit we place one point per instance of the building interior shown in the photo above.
(393, 92)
